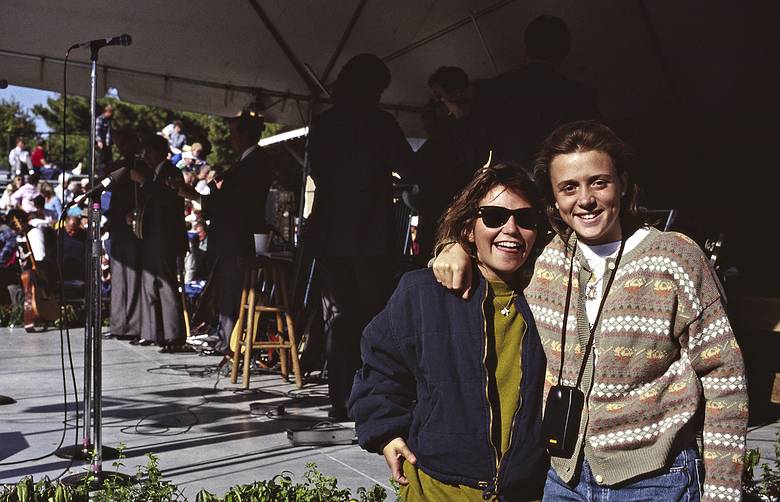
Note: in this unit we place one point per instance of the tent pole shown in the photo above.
(447, 29)
(483, 41)
(281, 95)
(283, 45)
(343, 41)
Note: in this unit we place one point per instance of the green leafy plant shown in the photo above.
(69, 315)
(152, 487)
(767, 486)
(44, 490)
(11, 315)
(316, 487)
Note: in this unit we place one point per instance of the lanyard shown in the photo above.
(607, 287)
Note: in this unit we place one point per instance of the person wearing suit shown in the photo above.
(165, 240)
(125, 249)
(235, 207)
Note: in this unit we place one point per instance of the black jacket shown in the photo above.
(163, 224)
(353, 153)
(424, 379)
(237, 209)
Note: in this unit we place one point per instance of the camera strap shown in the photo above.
(588, 346)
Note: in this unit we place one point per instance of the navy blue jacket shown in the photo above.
(424, 379)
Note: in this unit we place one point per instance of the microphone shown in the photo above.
(123, 39)
(3, 83)
(103, 185)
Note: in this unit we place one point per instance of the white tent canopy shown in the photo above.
(216, 57)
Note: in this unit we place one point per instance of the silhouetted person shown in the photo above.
(441, 171)
(354, 147)
(235, 207)
(511, 114)
(470, 116)
(537, 98)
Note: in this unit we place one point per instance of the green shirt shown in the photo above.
(505, 335)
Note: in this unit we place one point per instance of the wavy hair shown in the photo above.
(458, 220)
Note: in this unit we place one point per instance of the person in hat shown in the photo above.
(164, 241)
(235, 205)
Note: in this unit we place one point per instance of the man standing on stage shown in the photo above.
(164, 240)
(235, 207)
(126, 248)
(104, 139)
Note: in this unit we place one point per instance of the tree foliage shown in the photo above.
(14, 122)
(210, 131)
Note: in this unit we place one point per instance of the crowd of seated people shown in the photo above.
(31, 215)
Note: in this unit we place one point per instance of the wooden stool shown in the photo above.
(265, 292)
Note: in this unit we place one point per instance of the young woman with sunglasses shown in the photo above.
(646, 344)
(450, 392)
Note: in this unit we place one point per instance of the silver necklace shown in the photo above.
(505, 311)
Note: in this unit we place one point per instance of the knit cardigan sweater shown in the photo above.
(664, 357)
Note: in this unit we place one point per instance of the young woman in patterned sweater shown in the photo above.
(664, 362)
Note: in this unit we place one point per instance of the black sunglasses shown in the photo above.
(497, 216)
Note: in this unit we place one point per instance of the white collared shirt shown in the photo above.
(597, 255)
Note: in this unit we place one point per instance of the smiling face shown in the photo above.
(502, 251)
(587, 190)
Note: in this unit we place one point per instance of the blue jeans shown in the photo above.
(681, 481)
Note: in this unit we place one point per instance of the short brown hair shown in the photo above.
(588, 136)
(458, 220)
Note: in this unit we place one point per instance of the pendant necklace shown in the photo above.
(591, 288)
(505, 311)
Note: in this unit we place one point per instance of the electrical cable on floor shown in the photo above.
(166, 427)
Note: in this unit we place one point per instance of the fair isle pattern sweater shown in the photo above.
(663, 350)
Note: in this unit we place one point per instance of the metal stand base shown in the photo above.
(6, 400)
(78, 452)
(98, 480)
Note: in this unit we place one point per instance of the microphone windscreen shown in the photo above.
(3, 84)
(125, 39)
(119, 174)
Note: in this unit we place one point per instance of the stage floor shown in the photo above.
(176, 406)
(173, 405)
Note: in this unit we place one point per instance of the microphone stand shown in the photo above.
(92, 445)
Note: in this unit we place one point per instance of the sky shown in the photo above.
(28, 98)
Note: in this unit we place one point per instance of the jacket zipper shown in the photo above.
(517, 410)
(490, 488)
